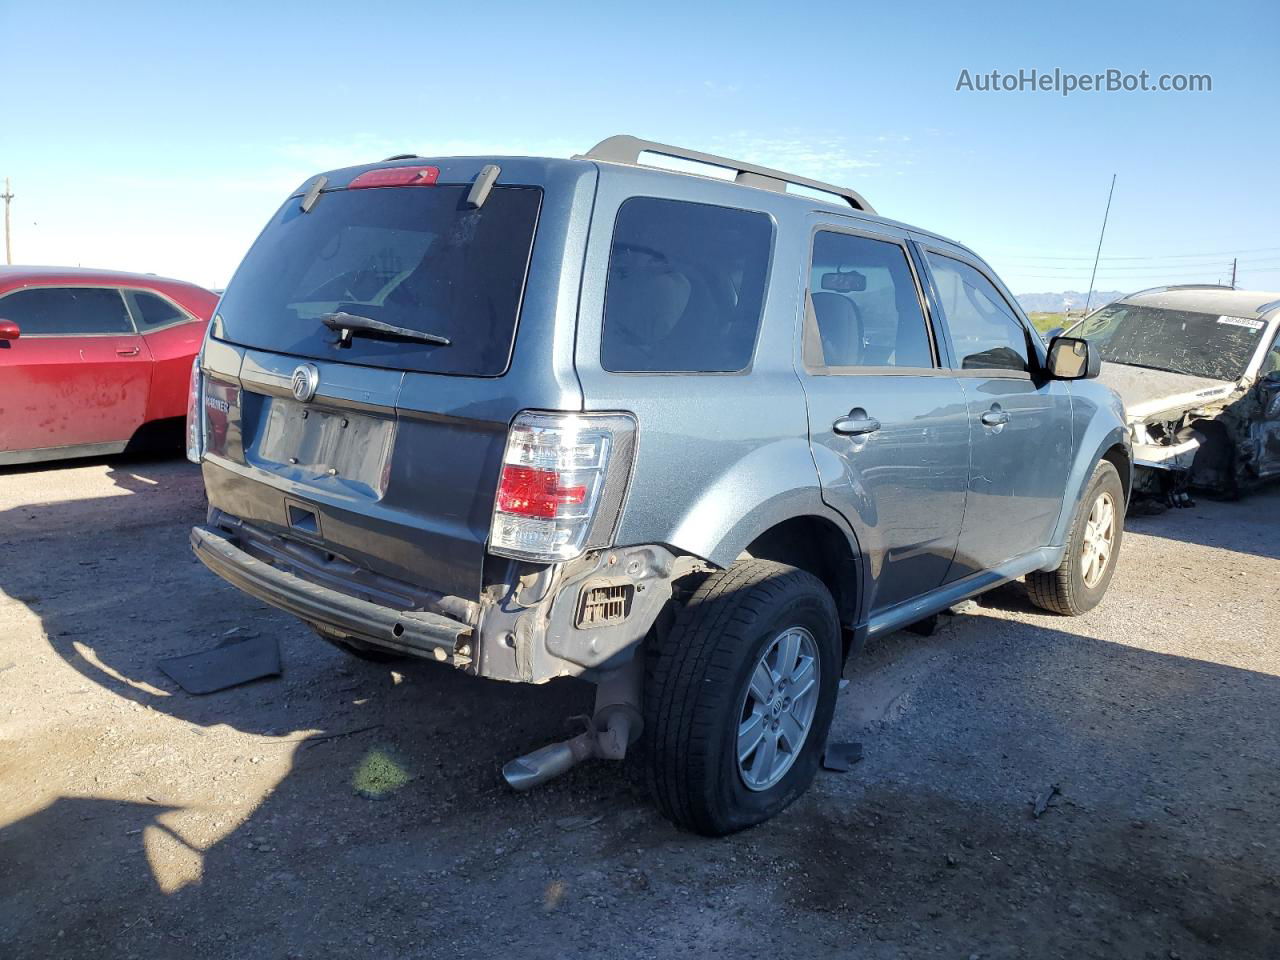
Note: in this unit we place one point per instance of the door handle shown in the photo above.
(995, 418)
(127, 351)
(856, 426)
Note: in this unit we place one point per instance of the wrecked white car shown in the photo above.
(1198, 368)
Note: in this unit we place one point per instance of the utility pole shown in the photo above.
(1233, 273)
(8, 244)
(1102, 233)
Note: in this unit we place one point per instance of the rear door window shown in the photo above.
(685, 288)
(985, 332)
(866, 308)
(67, 311)
(413, 257)
(153, 312)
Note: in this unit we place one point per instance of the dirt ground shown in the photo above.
(353, 810)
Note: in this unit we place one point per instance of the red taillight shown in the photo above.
(562, 483)
(530, 492)
(397, 177)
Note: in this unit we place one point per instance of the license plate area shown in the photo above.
(325, 447)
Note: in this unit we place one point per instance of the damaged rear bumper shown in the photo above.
(417, 633)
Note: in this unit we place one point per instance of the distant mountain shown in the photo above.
(1067, 300)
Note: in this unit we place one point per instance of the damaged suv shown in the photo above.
(1198, 368)
(691, 439)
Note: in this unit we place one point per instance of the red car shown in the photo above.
(88, 358)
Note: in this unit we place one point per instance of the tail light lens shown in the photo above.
(563, 480)
(195, 414)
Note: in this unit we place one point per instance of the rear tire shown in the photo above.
(704, 697)
(1078, 585)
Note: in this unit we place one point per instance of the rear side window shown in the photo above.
(866, 309)
(153, 312)
(984, 330)
(53, 311)
(685, 289)
(417, 258)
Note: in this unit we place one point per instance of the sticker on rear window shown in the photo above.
(1242, 322)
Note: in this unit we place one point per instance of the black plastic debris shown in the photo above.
(226, 666)
(1045, 800)
(926, 627)
(839, 757)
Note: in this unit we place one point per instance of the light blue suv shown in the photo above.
(693, 439)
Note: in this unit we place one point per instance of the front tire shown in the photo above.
(1093, 546)
(739, 696)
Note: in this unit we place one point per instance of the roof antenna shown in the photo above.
(1097, 256)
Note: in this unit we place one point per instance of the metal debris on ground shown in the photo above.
(839, 757)
(330, 737)
(1043, 802)
(577, 823)
(224, 666)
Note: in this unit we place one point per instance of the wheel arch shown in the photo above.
(822, 547)
(1118, 456)
(1111, 445)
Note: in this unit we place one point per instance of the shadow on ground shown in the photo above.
(433, 856)
(1202, 524)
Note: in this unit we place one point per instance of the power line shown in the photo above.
(1159, 256)
(1132, 278)
(1107, 264)
(1104, 266)
(1103, 272)
(1146, 271)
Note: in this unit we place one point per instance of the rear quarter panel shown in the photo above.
(174, 348)
(720, 458)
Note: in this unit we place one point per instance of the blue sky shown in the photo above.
(160, 136)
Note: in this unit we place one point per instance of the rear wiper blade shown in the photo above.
(348, 325)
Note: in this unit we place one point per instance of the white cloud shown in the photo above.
(718, 89)
(831, 158)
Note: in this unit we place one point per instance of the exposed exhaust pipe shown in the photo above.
(615, 725)
(547, 763)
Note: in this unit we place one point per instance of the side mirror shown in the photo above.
(1071, 358)
(9, 330)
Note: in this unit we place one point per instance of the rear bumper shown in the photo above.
(333, 613)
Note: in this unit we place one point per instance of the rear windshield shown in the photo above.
(1199, 344)
(412, 257)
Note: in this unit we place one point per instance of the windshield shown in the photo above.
(1197, 344)
(412, 257)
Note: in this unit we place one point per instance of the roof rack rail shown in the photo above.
(1178, 286)
(627, 149)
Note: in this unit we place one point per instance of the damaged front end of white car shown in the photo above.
(1198, 370)
(1174, 430)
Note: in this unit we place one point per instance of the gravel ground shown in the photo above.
(352, 810)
